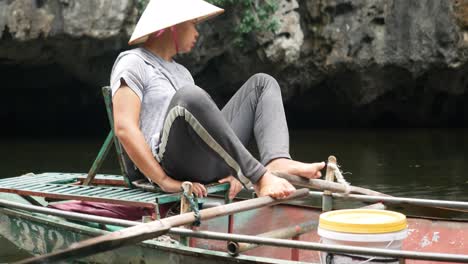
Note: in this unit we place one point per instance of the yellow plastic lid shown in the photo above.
(363, 221)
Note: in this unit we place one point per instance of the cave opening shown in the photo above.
(46, 101)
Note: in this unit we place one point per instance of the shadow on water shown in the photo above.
(412, 163)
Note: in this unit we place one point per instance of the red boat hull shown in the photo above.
(423, 235)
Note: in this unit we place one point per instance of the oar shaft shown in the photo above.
(398, 200)
(459, 258)
(445, 207)
(234, 248)
(324, 185)
(146, 231)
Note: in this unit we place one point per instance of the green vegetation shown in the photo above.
(253, 15)
(141, 4)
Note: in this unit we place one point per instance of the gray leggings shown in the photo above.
(200, 143)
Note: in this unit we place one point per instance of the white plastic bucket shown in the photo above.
(366, 232)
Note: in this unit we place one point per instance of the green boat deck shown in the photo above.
(67, 186)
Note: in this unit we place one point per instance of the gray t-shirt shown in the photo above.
(155, 82)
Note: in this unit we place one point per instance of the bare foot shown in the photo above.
(307, 170)
(273, 186)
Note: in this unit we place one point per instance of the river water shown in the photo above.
(426, 163)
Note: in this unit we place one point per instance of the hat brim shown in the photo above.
(146, 24)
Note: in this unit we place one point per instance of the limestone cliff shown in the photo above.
(340, 62)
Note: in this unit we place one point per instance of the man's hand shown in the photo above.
(235, 186)
(199, 189)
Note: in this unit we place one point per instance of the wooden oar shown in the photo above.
(135, 234)
(325, 185)
(411, 209)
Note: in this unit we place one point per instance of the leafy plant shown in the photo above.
(141, 5)
(254, 16)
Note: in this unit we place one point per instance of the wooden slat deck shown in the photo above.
(66, 186)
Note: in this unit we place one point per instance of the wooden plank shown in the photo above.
(210, 188)
(140, 196)
(106, 181)
(44, 178)
(46, 187)
(106, 92)
(67, 190)
(150, 205)
(327, 200)
(119, 194)
(57, 177)
(185, 208)
(97, 192)
(184, 202)
(22, 185)
(103, 152)
(31, 200)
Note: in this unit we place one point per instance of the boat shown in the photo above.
(40, 232)
(248, 230)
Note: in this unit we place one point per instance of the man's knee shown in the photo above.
(265, 81)
(190, 96)
(263, 77)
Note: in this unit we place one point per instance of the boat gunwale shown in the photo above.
(152, 244)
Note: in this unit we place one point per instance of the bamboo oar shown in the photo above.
(135, 234)
(234, 248)
(426, 210)
(325, 185)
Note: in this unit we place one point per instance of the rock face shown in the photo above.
(339, 62)
(403, 60)
(76, 35)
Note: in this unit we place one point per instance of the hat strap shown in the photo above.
(174, 36)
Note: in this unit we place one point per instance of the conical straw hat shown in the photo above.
(161, 14)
